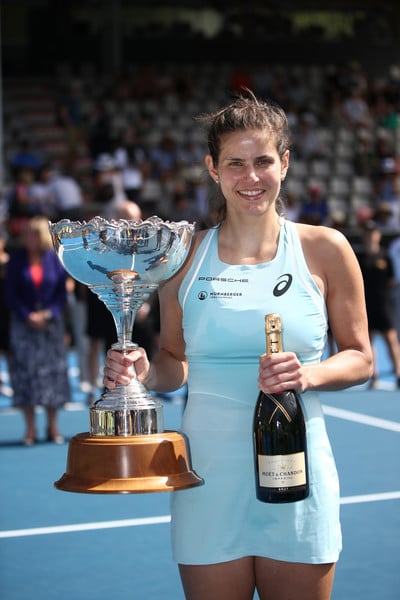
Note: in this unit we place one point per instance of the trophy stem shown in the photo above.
(123, 298)
(125, 410)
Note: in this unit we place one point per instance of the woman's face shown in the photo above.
(249, 171)
(31, 238)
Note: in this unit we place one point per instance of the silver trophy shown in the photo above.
(127, 449)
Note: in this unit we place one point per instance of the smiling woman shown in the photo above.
(212, 312)
(249, 170)
(253, 155)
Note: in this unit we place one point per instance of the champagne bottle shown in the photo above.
(280, 446)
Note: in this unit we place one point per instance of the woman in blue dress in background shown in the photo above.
(35, 289)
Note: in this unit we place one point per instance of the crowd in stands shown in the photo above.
(139, 131)
(130, 146)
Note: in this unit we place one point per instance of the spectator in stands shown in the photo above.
(151, 195)
(165, 156)
(65, 198)
(387, 180)
(386, 217)
(292, 206)
(338, 219)
(25, 158)
(128, 161)
(190, 154)
(306, 137)
(40, 193)
(133, 141)
(355, 109)
(314, 208)
(108, 190)
(365, 157)
(183, 207)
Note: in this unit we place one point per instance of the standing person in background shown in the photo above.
(226, 542)
(394, 253)
(35, 289)
(379, 283)
(4, 312)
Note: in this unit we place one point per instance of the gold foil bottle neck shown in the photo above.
(273, 333)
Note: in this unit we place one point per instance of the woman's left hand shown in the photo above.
(279, 372)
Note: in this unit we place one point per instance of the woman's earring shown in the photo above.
(217, 181)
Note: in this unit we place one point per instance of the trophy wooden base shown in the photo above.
(128, 465)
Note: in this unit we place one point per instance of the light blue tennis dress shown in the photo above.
(223, 320)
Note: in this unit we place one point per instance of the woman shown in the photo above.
(226, 542)
(35, 290)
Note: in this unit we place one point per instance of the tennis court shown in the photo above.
(57, 545)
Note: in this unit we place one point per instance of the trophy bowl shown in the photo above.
(127, 449)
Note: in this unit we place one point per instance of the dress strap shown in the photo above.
(299, 262)
(199, 259)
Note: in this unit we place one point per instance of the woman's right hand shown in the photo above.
(121, 368)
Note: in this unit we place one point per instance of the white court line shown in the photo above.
(158, 520)
(349, 415)
(85, 526)
(370, 498)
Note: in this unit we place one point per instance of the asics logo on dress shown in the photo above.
(284, 283)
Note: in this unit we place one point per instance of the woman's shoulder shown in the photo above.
(325, 249)
(199, 236)
(328, 237)
(196, 241)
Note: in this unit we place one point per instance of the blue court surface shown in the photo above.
(57, 546)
